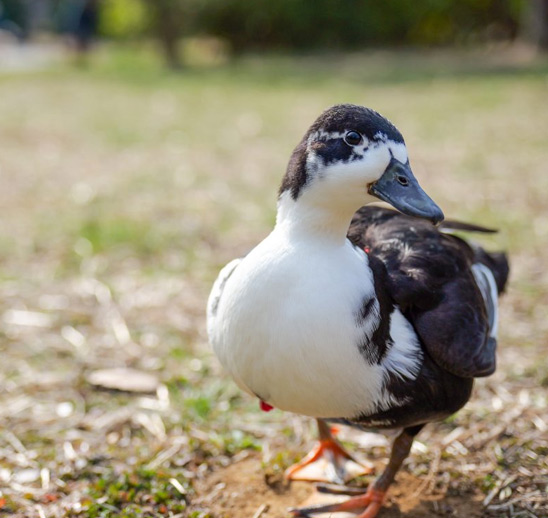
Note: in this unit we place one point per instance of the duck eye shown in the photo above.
(353, 138)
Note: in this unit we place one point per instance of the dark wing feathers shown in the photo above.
(430, 278)
(456, 332)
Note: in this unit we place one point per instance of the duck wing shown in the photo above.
(445, 287)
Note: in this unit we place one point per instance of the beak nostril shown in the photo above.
(402, 180)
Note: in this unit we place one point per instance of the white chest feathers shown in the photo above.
(283, 322)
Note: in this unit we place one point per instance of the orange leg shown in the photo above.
(371, 502)
(327, 462)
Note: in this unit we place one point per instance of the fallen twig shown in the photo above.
(262, 509)
(499, 486)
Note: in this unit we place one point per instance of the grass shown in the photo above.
(126, 187)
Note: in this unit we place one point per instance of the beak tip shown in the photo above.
(437, 217)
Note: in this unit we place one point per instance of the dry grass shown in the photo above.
(124, 189)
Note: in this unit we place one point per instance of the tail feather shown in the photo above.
(448, 225)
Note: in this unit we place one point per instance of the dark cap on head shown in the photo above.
(368, 122)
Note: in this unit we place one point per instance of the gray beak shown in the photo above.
(400, 188)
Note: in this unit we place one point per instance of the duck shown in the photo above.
(354, 313)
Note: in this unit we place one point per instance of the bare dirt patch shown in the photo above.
(242, 490)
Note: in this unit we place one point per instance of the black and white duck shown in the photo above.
(354, 313)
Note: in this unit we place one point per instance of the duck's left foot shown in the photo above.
(328, 462)
(371, 503)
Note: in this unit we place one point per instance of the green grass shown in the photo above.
(126, 187)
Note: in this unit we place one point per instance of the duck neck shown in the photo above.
(302, 219)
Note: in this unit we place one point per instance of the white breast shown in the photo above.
(285, 327)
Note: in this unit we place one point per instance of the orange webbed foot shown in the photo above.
(328, 462)
(371, 503)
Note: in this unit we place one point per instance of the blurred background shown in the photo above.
(141, 147)
(228, 27)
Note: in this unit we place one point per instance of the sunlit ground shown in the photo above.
(124, 188)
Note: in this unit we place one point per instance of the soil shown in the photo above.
(242, 489)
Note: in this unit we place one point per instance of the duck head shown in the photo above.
(352, 156)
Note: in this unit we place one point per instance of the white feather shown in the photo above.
(285, 328)
(216, 292)
(404, 358)
(488, 287)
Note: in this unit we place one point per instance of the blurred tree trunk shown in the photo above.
(168, 25)
(535, 23)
